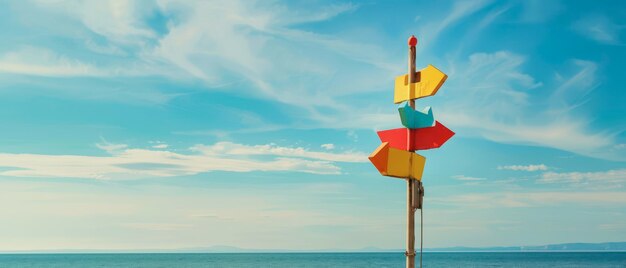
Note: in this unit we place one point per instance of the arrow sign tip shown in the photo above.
(441, 134)
(431, 79)
(379, 157)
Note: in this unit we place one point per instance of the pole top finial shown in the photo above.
(412, 41)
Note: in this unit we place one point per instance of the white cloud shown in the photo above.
(466, 178)
(328, 146)
(610, 178)
(230, 148)
(129, 163)
(524, 168)
(160, 146)
(111, 147)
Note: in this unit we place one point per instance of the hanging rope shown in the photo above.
(421, 230)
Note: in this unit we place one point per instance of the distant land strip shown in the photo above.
(566, 247)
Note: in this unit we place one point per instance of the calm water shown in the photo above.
(288, 260)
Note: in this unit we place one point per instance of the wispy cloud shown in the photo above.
(130, 163)
(530, 199)
(111, 147)
(612, 226)
(238, 44)
(599, 28)
(328, 146)
(524, 167)
(322, 14)
(608, 179)
(466, 178)
(160, 146)
(255, 44)
(492, 97)
(537, 11)
(157, 226)
(230, 148)
(44, 62)
(602, 189)
(41, 61)
(458, 11)
(120, 21)
(573, 91)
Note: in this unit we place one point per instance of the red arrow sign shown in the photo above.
(422, 138)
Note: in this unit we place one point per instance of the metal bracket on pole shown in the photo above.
(418, 195)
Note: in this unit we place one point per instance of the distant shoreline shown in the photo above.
(566, 247)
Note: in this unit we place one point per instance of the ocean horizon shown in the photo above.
(311, 259)
(561, 247)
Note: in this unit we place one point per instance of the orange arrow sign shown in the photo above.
(430, 79)
(397, 163)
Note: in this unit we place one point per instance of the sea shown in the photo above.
(291, 260)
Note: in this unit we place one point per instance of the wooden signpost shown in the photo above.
(396, 156)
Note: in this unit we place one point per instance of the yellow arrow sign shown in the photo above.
(397, 163)
(430, 79)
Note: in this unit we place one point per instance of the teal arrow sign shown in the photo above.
(416, 119)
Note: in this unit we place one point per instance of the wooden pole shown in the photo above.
(410, 183)
(410, 239)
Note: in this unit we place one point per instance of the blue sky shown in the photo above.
(179, 124)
